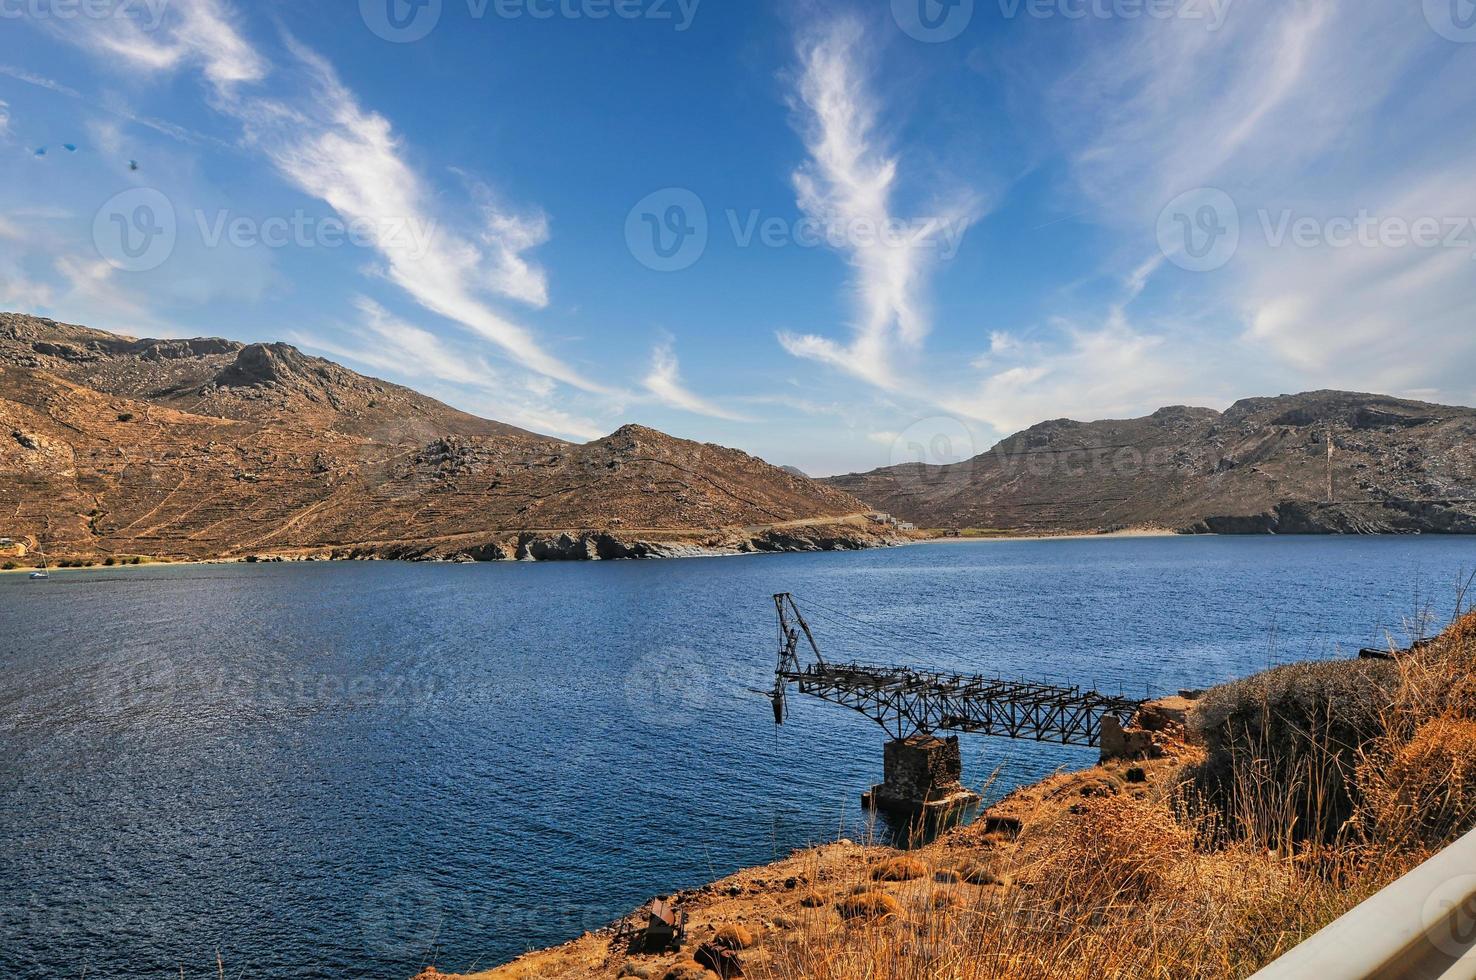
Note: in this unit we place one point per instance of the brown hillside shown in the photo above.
(204, 448)
(1257, 467)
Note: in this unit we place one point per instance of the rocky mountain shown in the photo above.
(211, 448)
(1260, 466)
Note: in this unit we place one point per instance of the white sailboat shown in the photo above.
(44, 573)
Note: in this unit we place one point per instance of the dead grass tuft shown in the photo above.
(868, 905)
(899, 869)
(733, 936)
(812, 899)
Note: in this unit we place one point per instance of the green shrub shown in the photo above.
(1281, 746)
(10, 566)
(110, 560)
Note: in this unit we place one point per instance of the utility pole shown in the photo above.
(1329, 464)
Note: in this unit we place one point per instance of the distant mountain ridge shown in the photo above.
(205, 448)
(1261, 466)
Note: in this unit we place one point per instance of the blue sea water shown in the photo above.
(344, 770)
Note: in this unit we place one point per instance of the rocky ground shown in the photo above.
(206, 448)
(1259, 467)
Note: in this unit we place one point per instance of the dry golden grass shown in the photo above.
(1145, 881)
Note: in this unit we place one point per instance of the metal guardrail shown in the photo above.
(1422, 927)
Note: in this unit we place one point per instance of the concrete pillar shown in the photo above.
(920, 773)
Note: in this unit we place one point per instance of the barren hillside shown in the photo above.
(1260, 466)
(207, 447)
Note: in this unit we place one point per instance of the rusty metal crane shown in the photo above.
(907, 701)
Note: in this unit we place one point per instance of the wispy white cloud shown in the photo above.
(324, 142)
(381, 342)
(111, 103)
(847, 185)
(195, 33)
(401, 347)
(664, 381)
(1287, 106)
(1363, 311)
(1160, 107)
(40, 81)
(1102, 372)
(808, 406)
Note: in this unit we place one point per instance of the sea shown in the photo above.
(358, 769)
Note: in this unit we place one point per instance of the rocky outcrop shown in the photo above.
(1306, 517)
(1259, 467)
(592, 545)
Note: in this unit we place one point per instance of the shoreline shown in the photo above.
(1131, 532)
(673, 551)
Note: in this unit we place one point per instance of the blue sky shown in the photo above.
(836, 235)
